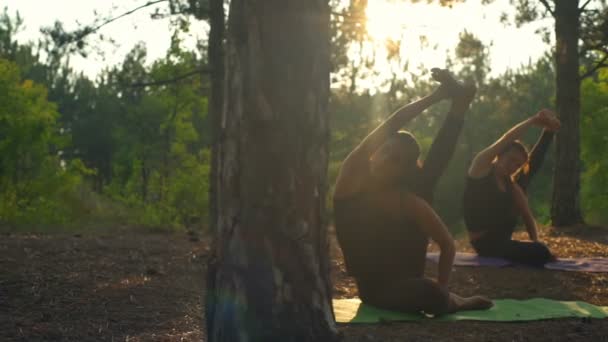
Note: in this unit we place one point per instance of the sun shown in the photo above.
(384, 20)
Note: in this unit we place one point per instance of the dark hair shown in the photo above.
(412, 152)
(516, 145)
(411, 145)
(521, 147)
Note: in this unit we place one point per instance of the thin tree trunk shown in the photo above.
(565, 209)
(216, 103)
(271, 273)
(216, 61)
(144, 180)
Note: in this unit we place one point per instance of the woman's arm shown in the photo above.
(522, 206)
(356, 165)
(430, 223)
(537, 156)
(482, 162)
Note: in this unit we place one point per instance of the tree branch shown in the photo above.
(170, 80)
(582, 8)
(548, 7)
(603, 63)
(96, 28)
(348, 17)
(595, 47)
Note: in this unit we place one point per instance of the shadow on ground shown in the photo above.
(149, 287)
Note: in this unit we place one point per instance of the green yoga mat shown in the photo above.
(504, 310)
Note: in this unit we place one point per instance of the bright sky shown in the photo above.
(407, 22)
(128, 31)
(387, 18)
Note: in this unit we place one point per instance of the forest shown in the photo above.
(133, 146)
(144, 150)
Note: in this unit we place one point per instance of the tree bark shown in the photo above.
(216, 61)
(216, 103)
(565, 209)
(270, 276)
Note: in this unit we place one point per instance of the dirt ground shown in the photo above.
(129, 286)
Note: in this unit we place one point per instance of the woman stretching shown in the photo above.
(495, 194)
(383, 212)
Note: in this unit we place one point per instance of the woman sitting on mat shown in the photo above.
(495, 194)
(383, 213)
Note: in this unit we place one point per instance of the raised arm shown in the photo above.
(482, 163)
(537, 156)
(355, 167)
(521, 204)
(430, 223)
(394, 123)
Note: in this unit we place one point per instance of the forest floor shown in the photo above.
(129, 286)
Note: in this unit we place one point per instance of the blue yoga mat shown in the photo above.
(597, 264)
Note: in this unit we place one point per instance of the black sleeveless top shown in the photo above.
(491, 210)
(487, 208)
(376, 244)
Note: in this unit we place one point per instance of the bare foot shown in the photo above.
(458, 303)
(447, 81)
(462, 94)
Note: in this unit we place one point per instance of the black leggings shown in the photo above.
(524, 252)
(405, 295)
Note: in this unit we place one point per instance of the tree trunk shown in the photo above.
(216, 103)
(270, 278)
(144, 180)
(565, 209)
(216, 61)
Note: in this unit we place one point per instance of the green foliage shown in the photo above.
(160, 156)
(474, 57)
(119, 152)
(594, 137)
(36, 182)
